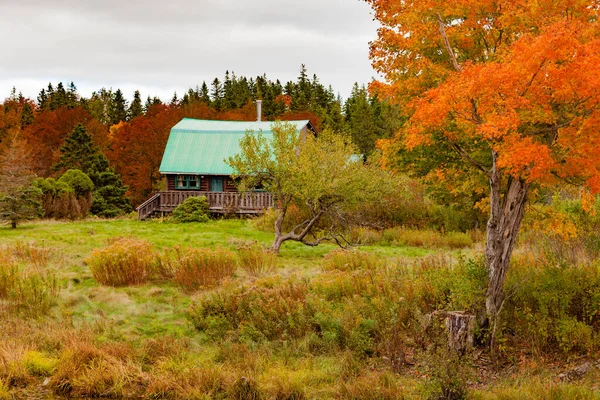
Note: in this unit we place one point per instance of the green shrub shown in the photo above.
(201, 268)
(78, 181)
(193, 209)
(554, 307)
(270, 310)
(126, 261)
(68, 197)
(426, 238)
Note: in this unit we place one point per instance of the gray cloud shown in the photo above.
(163, 46)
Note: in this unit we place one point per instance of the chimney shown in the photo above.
(258, 110)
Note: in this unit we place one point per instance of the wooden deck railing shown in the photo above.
(219, 202)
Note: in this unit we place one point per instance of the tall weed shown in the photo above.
(202, 268)
(256, 260)
(26, 288)
(126, 261)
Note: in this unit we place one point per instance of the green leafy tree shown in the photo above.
(19, 198)
(321, 176)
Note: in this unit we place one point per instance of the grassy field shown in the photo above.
(322, 324)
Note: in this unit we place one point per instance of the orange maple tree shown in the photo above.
(510, 86)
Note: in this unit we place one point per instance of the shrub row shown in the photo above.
(128, 261)
(399, 236)
(375, 308)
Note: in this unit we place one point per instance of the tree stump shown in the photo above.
(460, 330)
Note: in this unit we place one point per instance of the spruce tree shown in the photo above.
(136, 108)
(204, 94)
(216, 94)
(79, 152)
(26, 115)
(118, 108)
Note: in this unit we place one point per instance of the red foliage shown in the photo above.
(137, 148)
(47, 134)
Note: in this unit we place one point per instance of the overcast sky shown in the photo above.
(160, 46)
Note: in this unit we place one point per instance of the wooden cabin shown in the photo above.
(193, 164)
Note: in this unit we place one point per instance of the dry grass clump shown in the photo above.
(201, 268)
(364, 236)
(256, 260)
(126, 261)
(26, 288)
(179, 377)
(87, 370)
(352, 260)
(39, 257)
(537, 388)
(372, 386)
(12, 371)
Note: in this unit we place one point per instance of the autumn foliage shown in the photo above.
(508, 87)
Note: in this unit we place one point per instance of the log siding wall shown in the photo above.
(229, 185)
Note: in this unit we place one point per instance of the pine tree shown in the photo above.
(174, 100)
(216, 94)
(42, 100)
(19, 199)
(204, 94)
(79, 152)
(135, 109)
(118, 108)
(59, 97)
(26, 114)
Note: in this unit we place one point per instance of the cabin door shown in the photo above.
(216, 184)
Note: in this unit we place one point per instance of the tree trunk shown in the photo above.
(13, 224)
(506, 215)
(460, 331)
(279, 237)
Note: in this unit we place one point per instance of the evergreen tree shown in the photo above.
(216, 94)
(59, 97)
(118, 108)
(72, 96)
(204, 94)
(301, 94)
(26, 114)
(174, 100)
(361, 124)
(135, 109)
(42, 100)
(79, 152)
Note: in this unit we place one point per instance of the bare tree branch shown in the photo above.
(469, 159)
(448, 47)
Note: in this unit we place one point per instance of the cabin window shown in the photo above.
(216, 184)
(187, 182)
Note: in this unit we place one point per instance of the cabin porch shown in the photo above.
(219, 202)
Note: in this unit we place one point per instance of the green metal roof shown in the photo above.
(198, 146)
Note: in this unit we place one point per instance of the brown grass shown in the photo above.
(202, 268)
(256, 260)
(126, 261)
